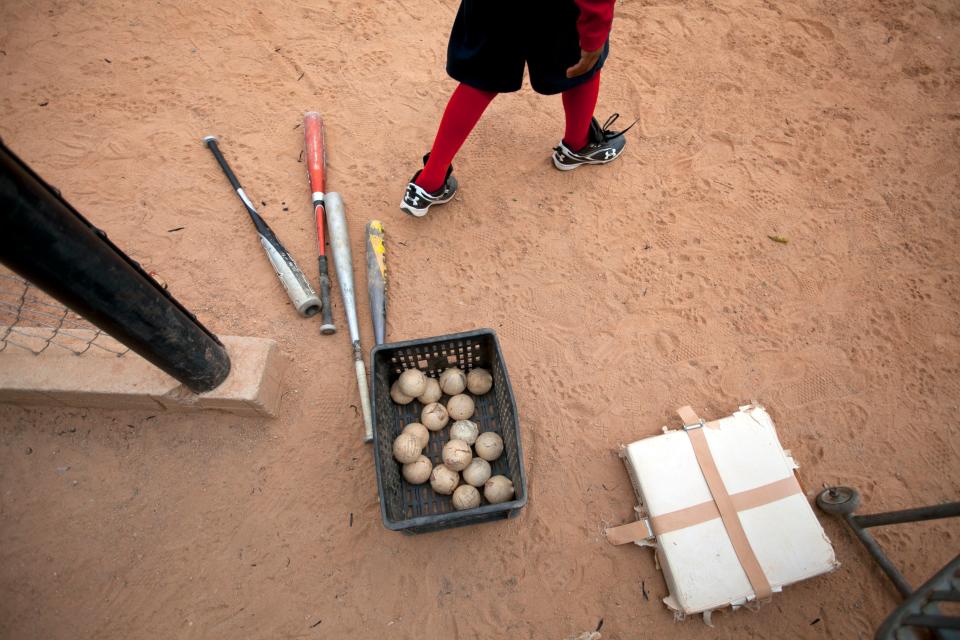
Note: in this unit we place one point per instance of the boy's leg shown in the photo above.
(578, 105)
(463, 111)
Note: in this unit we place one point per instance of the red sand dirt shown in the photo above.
(619, 294)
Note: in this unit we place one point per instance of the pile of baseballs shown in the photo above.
(467, 454)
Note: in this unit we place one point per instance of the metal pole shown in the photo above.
(946, 510)
(49, 243)
(888, 568)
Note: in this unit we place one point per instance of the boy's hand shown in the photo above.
(587, 61)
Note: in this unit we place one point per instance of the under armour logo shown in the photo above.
(416, 201)
(610, 154)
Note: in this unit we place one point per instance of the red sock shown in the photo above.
(578, 106)
(461, 115)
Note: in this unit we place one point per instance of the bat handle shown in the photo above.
(327, 327)
(364, 388)
(211, 143)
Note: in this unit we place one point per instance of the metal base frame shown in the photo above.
(919, 610)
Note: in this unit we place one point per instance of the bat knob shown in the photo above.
(327, 329)
(208, 139)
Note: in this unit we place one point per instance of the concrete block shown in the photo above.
(27, 398)
(254, 384)
(98, 378)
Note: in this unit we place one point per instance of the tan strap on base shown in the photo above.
(689, 416)
(706, 511)
(626, 533)
(728, 512)
(683, 518)
(767, 493)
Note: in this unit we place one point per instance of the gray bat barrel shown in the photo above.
(342, 259)
(343, 262)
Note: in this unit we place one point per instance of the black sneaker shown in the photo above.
(603, 146)
(417, 200)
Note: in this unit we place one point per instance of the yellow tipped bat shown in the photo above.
(377, 279)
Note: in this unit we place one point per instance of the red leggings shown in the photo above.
(467, 104)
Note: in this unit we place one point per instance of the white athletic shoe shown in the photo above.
(603, 146)
(417, 201)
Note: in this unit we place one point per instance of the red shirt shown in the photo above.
(594, 22)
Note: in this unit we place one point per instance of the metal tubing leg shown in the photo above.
(48, 242)
(892, 572)
(934, 512)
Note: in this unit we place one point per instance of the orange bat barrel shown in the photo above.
(316, 171)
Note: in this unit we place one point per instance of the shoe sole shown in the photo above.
(410, 211)
(570, 167)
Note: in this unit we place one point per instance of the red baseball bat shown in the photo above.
(316, 170)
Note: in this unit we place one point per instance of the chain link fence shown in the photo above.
(33, 322)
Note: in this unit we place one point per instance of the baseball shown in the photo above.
(412, 382)
(498, 489)
(418, 471)
(452, 381)
(460, 407)
(406, 448)
(479, 381)
(489, 446)
(457, 455)
(434, 416)
(466, 430)
(477, 472)
(399, 396)
(466, 497)
(431, 393)
(421, 433)
(444, 480)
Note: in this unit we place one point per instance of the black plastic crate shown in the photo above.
(416, 508)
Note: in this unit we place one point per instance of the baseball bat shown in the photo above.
(343, 263)
(304, 300)
(316, 172)
(377, 278)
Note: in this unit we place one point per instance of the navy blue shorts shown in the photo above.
(493, 39)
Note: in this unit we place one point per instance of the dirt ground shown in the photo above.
(619, 293)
